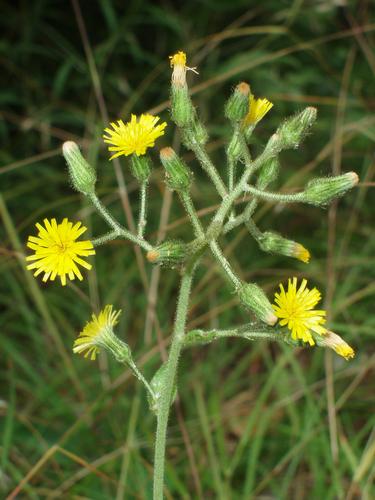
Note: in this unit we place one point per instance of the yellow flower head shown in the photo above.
(134, 136)
(295, 308)
(258, 108)
(96, 333)
(178, 59)
(301, 253)
(335, 342)
(57, 252)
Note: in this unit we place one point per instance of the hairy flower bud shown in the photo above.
(275, 243)
(237, 105)
(182, 110)
(268, 173)
(170, 253)
(140, 167)
(178, 175)
(293, 130)
(157, 383)
(253, 298)
(324, 189)
(82, 174)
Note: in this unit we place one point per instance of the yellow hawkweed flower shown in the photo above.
(57, 252)
(97, 333)
(258, 108)
(335, 342)
(134, 136)
(295, 308)
(301, 253)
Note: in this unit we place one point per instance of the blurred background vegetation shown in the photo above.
(252, 420)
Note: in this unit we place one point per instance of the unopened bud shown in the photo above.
(234, 148)
(82, 174)
(275, 243)
(268, 173)
(157, 384)
(140, 167)
(237, 105)
(253, 298)
(171, 253)
(323, 190)
(182, 110)
(294, 129)
(335, 342)
(178, 175)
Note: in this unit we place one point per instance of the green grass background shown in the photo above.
(252, 420)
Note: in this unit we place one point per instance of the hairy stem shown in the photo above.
(116, 226)
(142, 221)
(170, 377)
(208, 166)
(277, 197)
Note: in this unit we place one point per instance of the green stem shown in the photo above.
(218, 254)
(190, 210)
(116, 226)
(207, 165)
(277, 197)
(142, 210)
(140, 377)
(170, 377)
(231, 173)
(100, 240)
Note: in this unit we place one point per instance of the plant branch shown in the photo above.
(116, 226)
(142, 221)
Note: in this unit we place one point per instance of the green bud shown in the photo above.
(82, 175)
(323, 190)
(170, 253)
(182, 109)
(237, 105)
(140, 167)
(293, 130)
(178, 175)
(199, 131)
(157, 383)
(252, 297)
(268, 173)
(234, 148)
(275, 243)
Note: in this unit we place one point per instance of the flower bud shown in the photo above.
(335, 342)
(178, 175)
(234, 148)
(275, 243)
(324, 189)
(170, 253)
(140, 167)
(253, 298)
(82, 175)
(293, 130)
(237, 105)
(157, 383)
(268, 173)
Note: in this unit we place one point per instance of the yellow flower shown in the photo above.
(178, 59)
(335, 342)
(97, 333)
(57, 252)
(301, 253)
(258, 108)
(295, 308)
(134, 136)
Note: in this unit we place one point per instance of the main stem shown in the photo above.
(169, 380)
